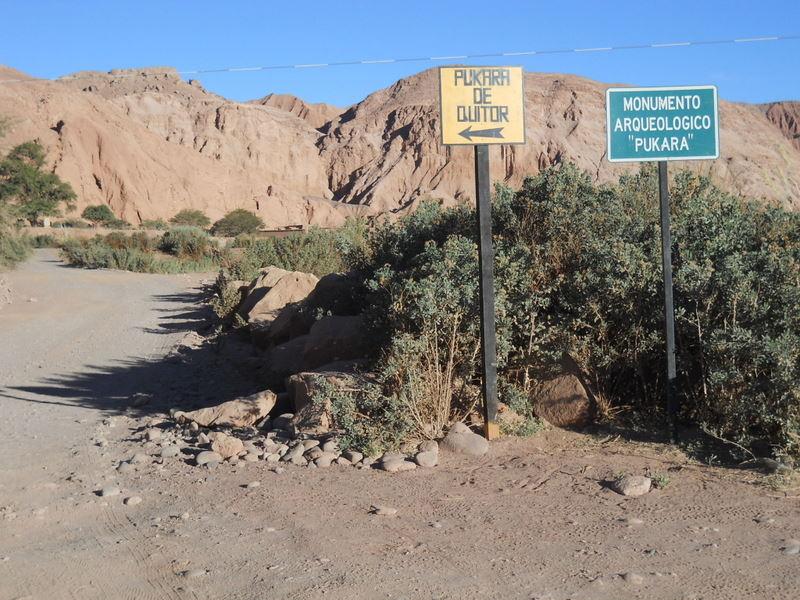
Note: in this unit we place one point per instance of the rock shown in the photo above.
(383, 510)
(250, 457)
(295, 455)
(427, 459)
(334, 338)
(308, 444)
(243, 412)
(343, 462)
(133, 500)
(272, 458)
(153, 435)
(330, 446)
(194, 573)
(429, 446)
(397, 465)
(353, 456)
(325, 459)
(791, 547)
(109, 490)
(633, 522)
(226, 445)
(633, 578)
(282, 421)
(270, 292)
(461, 440)
(140, 458)
(286, 359)
(206, 457)
(300, 461)
(314, 453)
(253, 484)
(562, 400)
(125, 467)
(203, 439)
(632, 485)
(170, 451)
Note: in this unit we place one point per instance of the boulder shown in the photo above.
(562, 399)
(242, 412)
(427, 459)
(461, 440)
(269, 294)
(333, 295)
(334, 338)
(207, 457)
(287, 358)
(397, 465)
(632, 485)
(226, 445)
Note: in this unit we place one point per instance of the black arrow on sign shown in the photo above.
(489, 133)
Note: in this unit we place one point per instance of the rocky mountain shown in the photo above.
(315, 114)
(786, 117)
(147, 143)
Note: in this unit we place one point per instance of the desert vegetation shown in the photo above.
(577, 273)
(180, 250)
(27, 193)
(191, 217)
(237, 222)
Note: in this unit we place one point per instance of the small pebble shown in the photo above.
(194, 573)
(133, 500)
(791, 547)
(382, 510)
(253, 484)
(109, 490)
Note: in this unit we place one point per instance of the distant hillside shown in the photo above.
(147, 144)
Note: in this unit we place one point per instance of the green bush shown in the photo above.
(34, 191)
(317, 251)
(191, 218)
(14, 246)
(159, 224)
(187, 242)
(237, 222)
(141, 253)
(98, 214)
(578, 271)
(44, 240)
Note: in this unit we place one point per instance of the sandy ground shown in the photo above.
(532, 519)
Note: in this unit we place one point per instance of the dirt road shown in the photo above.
(532, 519)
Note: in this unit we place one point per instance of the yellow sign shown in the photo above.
(482, 105)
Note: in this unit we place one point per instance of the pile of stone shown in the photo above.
(302, 352)
(232, 436)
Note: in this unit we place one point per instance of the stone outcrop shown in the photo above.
(243, 412)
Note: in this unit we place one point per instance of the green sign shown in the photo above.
(662, 123)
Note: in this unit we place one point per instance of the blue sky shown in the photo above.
(52, 38)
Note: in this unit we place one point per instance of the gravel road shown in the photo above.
(534, 518)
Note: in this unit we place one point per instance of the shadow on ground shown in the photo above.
(198, 371)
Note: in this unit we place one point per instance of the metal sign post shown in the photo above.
(482, 106)
(486, 268)
(663, 124)
(669, 309)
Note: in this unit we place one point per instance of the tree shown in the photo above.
(191, 217)
(35, 192)
(99, 214)
(237, 222)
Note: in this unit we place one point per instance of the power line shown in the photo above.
(383, 61)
